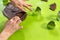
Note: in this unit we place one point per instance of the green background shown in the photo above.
(35, 25)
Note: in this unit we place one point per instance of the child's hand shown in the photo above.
(20, 4)
(10, 27)
(13, 24)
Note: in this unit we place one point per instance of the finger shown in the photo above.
(20, 27)
(28, 7)
(21, 8)
(18, 21)
(14, 19)
(11, 21)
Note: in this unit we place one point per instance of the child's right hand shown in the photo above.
(20, 4)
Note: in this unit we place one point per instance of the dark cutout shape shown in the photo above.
(45, 0)
(10, 11)
(58, 16)
(53, 6)
(51, 25)
(38, 9)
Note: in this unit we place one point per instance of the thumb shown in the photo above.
(20, 28)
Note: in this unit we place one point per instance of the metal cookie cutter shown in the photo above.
(10, 11)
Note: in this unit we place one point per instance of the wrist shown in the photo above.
(5, 35)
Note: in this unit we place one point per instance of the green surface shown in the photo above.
(35, 25)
